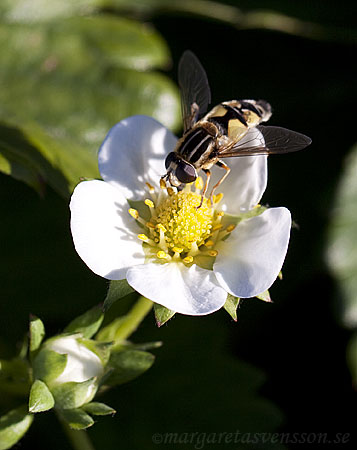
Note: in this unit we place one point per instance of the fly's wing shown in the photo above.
(266, 140)
(195, 91)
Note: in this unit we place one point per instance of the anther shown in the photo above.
(177, 249)
(134, 213)
(161, 254)
(151, 188)
(209, 243)
(213, 253)
(170, 191)
(162, 183)
(217, 198)
(188, 259)
(149, 203)
(231, 228)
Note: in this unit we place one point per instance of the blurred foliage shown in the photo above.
(68, 80)
(342, 252)
(70, 70)
(342, 246)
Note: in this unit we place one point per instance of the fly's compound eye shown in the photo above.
(169, 158)
(185, 172)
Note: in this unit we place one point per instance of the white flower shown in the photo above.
(150, 247)
(82, 363)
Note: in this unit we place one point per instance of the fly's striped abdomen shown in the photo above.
(195, 144)
(233, 118)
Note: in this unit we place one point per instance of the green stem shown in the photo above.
(79, 439)
(133, 319)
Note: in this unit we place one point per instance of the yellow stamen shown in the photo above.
(217, 198)
(134, 213)
(188, 259)
(177, 249)
(151, 188)
(209, 243)
(149, 203)
(231, 228)
(217, 227)
(162, 184)
(161, 254)
(150, 225)
(170, 191)
(160, 227)
(213, 253)
(143, 237)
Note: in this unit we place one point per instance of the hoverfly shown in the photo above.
(230, 129)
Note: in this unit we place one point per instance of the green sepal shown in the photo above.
(48, 365)
(162, 314)
(41, 398)
(13, 426)
(108, 333)
(77, 419)
(98, 409)
(87, 324)
(72, 395)
(14, 376)
(101, 349)
(229, 219)
(127, 365)
(265, 296)
(117, 290)
(37, 333)
(231, 306)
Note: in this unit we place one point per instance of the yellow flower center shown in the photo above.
(184, 222)
(180, 227)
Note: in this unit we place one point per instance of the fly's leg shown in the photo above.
(208, 176)
(227, 169)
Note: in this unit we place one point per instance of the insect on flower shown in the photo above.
(230, 129)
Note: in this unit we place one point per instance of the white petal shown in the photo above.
(82, 364)
(247, 181)
(104, 234)
(133, 153)
(249, 261)
(193, 291)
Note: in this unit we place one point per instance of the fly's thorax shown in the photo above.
(198, 143)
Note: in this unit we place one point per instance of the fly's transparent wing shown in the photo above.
(266, 140)
(195, 91)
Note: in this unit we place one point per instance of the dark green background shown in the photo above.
(200, 379)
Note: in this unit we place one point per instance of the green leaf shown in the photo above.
(162, 314)
(48, 365)
(117, 290)
(342, 242)
(41, 398)
(87, 324)
(37, 333)
(231, 306)
(5, 165)
(127, 365)
(67, 82)
(73, 395)
(77, 419)
(98, 409)
(265, 296)
(13, 426)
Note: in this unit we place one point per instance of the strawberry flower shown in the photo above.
(129, 225)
